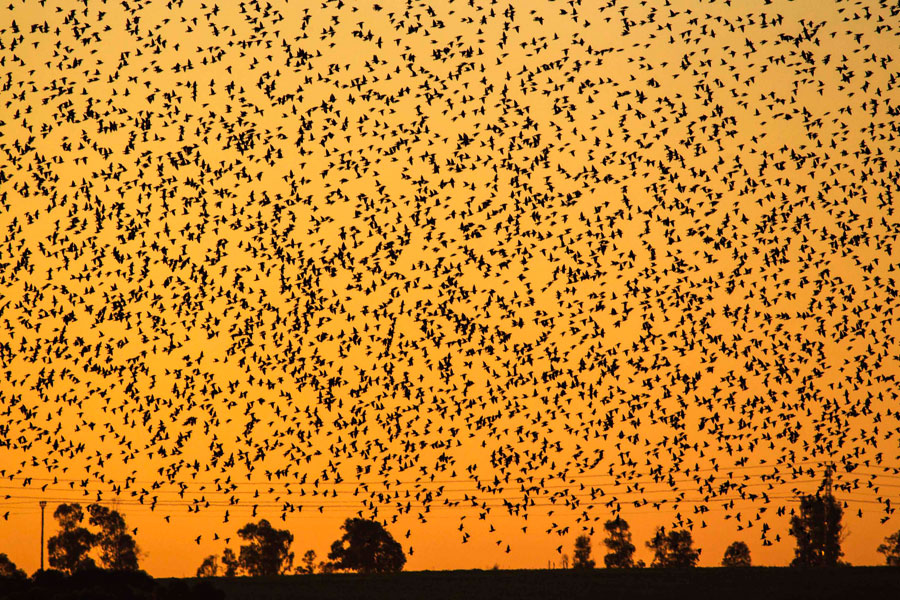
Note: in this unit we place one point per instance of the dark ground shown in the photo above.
(847, 583)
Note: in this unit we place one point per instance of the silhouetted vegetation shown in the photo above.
(118, 550)
(736, 555)
(230, 562)
(68, 550)
(326, 567)
(267, 551)
(99, 584)
(868, 583)
(620, 553)
(367, 547)
(817, 529)
(673, 549)
(8, 568)
(308, 567)
(209, 567)
(891, 549)
(582, 557)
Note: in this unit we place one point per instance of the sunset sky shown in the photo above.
(491, 273)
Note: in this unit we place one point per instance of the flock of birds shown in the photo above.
(571, 255)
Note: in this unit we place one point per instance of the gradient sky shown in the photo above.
(489, 272)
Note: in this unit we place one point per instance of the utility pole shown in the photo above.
(827, 506)
(43, 504)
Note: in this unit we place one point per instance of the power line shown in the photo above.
(426, 481)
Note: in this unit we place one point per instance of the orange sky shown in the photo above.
(550, 259)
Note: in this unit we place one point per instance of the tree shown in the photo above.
(891, 549)
(118, 550)
(68, 550)
(209, 567)
(326, 566)
(736, 555)
(309, 563)
(9, 569)
(367, 547)
(817, 529)
(267, 551)
(618, 542)
(582, 556)
(673, 549)
(230, 563)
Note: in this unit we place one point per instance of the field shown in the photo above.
(727, 584)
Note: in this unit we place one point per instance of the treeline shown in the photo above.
(84, 551)
(99, 560)
(365, 547)
(672, 549)
(69, 550)
(92, 583)
(817, 528)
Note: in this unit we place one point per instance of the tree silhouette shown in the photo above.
(309, 563)
(367, 547)
(618, 542)
(326, 566)
(891, 549)
(673, 549)
(68, 550)
(118, 550)
(736, 555)
(817, 529)
(581, 559)
(230, 563)
(9, 569)
(209, 567)
(267, 551)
